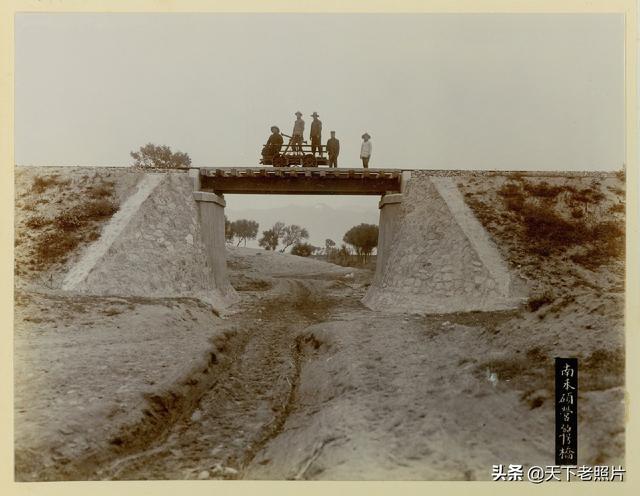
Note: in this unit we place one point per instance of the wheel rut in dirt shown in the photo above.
(250, 401)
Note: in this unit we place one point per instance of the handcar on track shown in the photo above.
(294, 155)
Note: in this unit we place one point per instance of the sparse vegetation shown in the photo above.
(537, 302)
(618, 208)
(576, 213)
(303, 249)
(74, 227)
(54, 246)
(586, 196)
(37, 221)
(101, 191)
(68, 220)
(42, 183)
(554, 219)
(510, 190)
(77, 217)
(152, 156)
(543, 189)
(48, 238)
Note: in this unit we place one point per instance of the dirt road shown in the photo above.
(252, 396)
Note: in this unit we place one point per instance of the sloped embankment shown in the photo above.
(115, 359)
(441, 259)
(154, 248)
(58, 211)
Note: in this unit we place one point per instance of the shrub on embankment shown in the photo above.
(55, 215)
(582, 222)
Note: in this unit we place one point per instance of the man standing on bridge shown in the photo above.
(296, 135)
(365, 150)
(316, 134)
(333, 149)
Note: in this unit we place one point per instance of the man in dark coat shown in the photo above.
(274, 143)
(316, 134)
(333, 149)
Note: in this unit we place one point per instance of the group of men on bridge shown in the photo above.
(275, 141)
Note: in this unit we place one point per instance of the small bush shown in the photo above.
(101, 191)
(303, 249)
(515, 203)
(544, 225)
(37, 222)
(542, 190)
(603, 231)
(161, 157)
(617, 208)
(41, 184)
(587, 195)
(576, 213)
(509, 190)
(69, 220)
(77, 217)
(55, 246)
(608, 243)
(98, 210)
(536, 302)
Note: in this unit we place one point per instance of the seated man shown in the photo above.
(274, 143)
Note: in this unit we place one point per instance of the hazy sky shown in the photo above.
(473, 91)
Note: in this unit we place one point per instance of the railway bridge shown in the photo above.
(211, 184)
(433, 254)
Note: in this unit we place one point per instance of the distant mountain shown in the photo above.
(321, 220)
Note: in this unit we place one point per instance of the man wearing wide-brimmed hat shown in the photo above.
(274, 143)
(316, 134)
(365, 150)
(296, 135)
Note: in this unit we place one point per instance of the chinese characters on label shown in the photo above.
(566, 411)
(550, 473)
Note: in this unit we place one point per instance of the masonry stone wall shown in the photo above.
(159, 252)
(434, 265)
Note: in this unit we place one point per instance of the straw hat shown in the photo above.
(315, 114)
(298, 113)
(366, 135)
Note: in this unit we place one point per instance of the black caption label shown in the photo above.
(566, 411)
